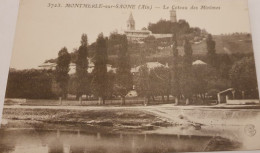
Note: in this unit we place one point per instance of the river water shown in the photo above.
(57, 141)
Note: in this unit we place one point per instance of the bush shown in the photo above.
(33, 84)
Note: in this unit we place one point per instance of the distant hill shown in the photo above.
(234, 44)
(227, 44)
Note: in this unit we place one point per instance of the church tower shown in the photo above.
(131, 23)
(173, 16)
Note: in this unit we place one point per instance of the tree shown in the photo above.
(163, 26)
(113, 43)
(124, 81)
(243, 77)
(34, 84)
(184, 27)
(143, 83)
(99, 81)
(175, 77)
(160, 82)
(187, 78)
(150, 45)
(111, 83)
(187, 58)
(62, 70)
(82, 67)
(211, 55)
(204, 75)
(73, 84)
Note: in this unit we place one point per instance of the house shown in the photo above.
(132, 93)
(199, 62)
(225, 94)
(150, 66)
(47, 66)
(72, 67)
(228, 96)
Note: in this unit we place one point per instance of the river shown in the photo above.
(57, 141)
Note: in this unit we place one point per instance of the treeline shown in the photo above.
(100, 83)
(182, 79)
(181, 28)
(199, 82)
(34, 84)
(164, 27)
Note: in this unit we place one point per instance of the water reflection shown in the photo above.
(31, 141)
(5, 145)
(77, 149)
(55, 146)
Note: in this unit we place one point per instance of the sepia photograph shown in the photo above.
(139, 76)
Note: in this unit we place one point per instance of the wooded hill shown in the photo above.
(225, 44)
(153, 49)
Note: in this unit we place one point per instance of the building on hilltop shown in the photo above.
(135, 35)
(173, 16)
(130, 22)
(139, 35)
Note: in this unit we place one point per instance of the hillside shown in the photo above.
(227, 44)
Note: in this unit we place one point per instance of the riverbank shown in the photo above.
(109, 119)
(131, 117)
(201, 119)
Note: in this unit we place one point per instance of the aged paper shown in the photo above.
(139, 76)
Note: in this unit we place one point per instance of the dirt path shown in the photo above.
(207, 115)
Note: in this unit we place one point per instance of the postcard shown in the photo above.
(139, 76)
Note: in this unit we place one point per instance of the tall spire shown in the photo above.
(131, 22)
(131, 17)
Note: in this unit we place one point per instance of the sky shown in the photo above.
(42, 31)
